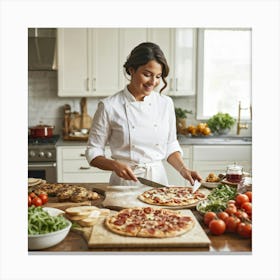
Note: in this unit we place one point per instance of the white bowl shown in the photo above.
(43, 241)
(210, 185)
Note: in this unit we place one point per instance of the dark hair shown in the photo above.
(144, 53)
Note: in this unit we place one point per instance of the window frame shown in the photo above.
(200, 69)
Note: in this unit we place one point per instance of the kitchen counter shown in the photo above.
(185, 140)
(225, 243)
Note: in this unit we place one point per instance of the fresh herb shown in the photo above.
(181, 114)
(41, 222)
(220, 122)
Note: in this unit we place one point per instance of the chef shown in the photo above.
(139, 125)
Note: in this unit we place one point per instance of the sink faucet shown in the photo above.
(239, 124)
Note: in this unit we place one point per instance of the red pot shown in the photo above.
(41, 131)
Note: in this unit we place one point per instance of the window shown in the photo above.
(224, 72)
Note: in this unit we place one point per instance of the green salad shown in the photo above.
(217, 199)
(41, 222)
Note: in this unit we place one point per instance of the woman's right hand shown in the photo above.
(124, 171)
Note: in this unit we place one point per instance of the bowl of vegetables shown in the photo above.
(217, 199)
(46, 227)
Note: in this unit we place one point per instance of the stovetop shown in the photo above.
(43, 140)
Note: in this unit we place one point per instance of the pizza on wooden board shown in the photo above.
(149, 222)
(172, 196)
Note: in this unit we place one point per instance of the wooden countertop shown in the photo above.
(225, 243)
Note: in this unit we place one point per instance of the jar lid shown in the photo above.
(234, 167)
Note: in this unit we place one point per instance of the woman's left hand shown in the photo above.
(190, 175)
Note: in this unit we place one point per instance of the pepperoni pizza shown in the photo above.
(172, 196)
(149, 222)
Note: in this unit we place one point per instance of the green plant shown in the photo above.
(220, 122)
(181, 114)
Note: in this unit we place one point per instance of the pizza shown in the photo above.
(172, 196)
(66, 192)
(149, 222)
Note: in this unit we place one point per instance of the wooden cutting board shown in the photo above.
(101, 237)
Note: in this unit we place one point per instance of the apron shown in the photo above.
(153, 171)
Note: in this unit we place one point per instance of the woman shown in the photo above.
(138, 123)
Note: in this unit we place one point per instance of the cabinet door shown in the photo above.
(184, 60)
(73, 64)
(129, 39)
(105, 64)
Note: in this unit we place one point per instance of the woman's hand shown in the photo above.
(190, 175)
(124, 171)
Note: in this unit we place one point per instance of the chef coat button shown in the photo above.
(133, 146)
(157, 144)
(133, 127)
(150, 104)
(155, 125)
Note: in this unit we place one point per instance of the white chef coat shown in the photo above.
(139, 133)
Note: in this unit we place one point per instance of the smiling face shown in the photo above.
(145, 79)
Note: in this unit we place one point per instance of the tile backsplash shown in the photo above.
(44, 106)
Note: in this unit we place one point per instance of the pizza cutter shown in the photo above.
(196, 186)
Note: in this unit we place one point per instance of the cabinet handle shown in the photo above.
(87, 84)
(171, 84)
(84, 168)
(176, 84)
(93, 84)
(82, 155)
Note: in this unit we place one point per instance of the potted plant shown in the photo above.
(181, 116)
(221, 123)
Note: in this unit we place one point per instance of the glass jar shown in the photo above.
(234, 173)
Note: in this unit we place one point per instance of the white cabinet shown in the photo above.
(72, 166)
(215, 158)
(88, 61)
(179, 47)
(173, 176)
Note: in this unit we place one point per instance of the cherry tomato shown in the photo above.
(241, 214)
(232, 223)
(249, 194)
(217, 227)
(231, 202)
(241, 198)
(29, 201)
(247, 207)
(231, 209)
(37, 201)
(244, 230)
(223, 215)
(208, 217)
(32, 195)
(44, 197)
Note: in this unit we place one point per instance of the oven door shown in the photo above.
(43, 170)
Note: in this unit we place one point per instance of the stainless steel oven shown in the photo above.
(42, 158)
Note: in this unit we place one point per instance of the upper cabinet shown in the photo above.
(90, 60)
(179, 47)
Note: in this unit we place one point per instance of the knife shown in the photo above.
(151, 183)
(196, 186)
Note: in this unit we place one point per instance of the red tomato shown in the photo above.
(231, 202)
(223, 215)
(232, 223)
(244, 230)
(231, 209)
(208, 217)
(217, 227)
(241, 198)
(44, 197)
(37, 201)
(29, 201)
(249, 194)
(241, 214)
(247, 207)
(32, 195)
